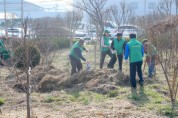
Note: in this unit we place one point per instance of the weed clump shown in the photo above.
(2, 101)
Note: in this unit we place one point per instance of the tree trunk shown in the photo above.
(71, 42)
(27, 71)
(28, 95)
(173, 107)
(95, 51)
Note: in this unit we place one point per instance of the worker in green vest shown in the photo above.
(76, 56)
(2, 49)
(135, 52)
(118, 48)
(151, 56)
(105, 48)
(2, 46)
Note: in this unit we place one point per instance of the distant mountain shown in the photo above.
(31, 10)
(15, 6)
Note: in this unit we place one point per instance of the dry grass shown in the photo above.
(152, 102)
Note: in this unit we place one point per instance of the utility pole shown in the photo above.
(22, 10)
(5, 20)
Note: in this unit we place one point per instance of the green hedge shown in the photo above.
(20, 56)
(6, 54)
(52, 44)
(61, 42)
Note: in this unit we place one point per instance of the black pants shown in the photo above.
(1, 57)
(76, 65)
(113, 61)
(135, 66)
(102, 58)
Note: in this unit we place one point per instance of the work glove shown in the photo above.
(114, 52)
(126, 61)
(87, 50)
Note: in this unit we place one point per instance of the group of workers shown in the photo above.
(118, 49)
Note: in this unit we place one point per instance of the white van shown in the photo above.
(14, 32)
(2, 33)
(17, 33)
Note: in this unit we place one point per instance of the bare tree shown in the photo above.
(162, 11)
(122, 13)
(25, 61)
(115, 14)
(165, 7)
(95, 9)
(126, 12)
(163, 36)
(73, 20)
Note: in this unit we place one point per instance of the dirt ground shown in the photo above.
(97, 93)
(109, 109)
(54, 81)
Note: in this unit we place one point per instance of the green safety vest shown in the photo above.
(106, 42)
(135, 47)
(2, 47)
(118, 45)
(72, 52)
(6, 54)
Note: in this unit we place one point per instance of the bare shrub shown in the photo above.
(163, 36)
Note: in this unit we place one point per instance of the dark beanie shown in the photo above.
(119, 34)
(132, 35)
(81, 41)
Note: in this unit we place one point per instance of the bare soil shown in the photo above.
(52, 81)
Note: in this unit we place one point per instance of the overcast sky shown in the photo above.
(62, 5)
(49, 1)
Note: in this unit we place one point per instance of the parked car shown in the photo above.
(128, 29)
(2, 33)
(79, 35)
(17, 33)
(82, 35)
(14, 32)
